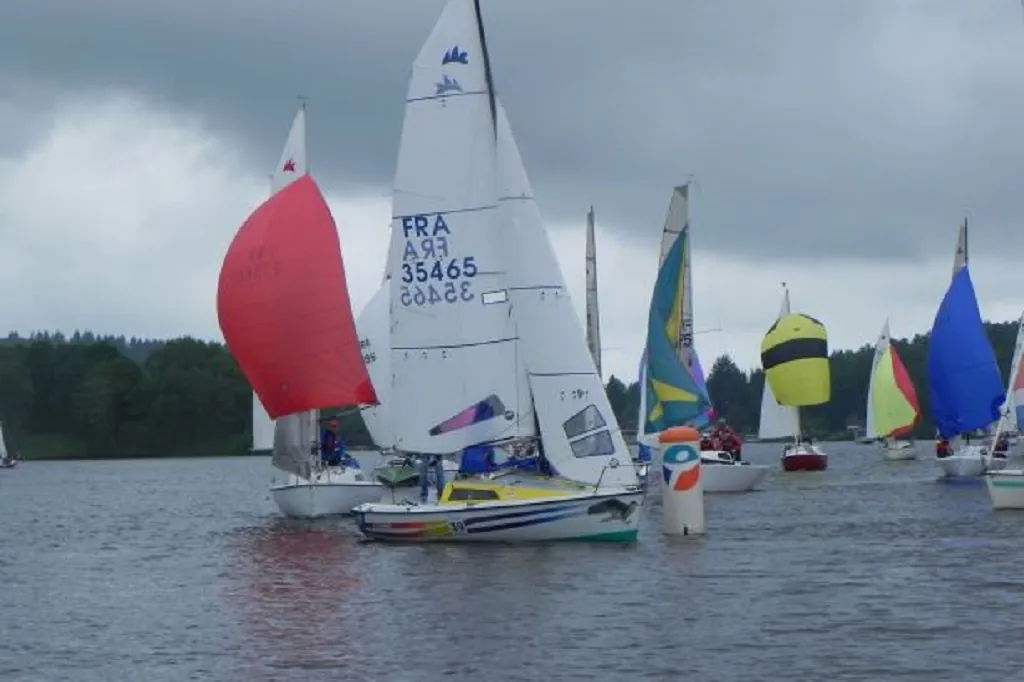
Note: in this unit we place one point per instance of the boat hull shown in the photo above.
(329, 493)
(969, 462)
(1006, 488)
(9, 464)
(804, 458)
(721, 474)
(593, 517)
(900, 451)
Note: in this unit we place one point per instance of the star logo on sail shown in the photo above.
(447, 85)
(289, 166)
(455, 56)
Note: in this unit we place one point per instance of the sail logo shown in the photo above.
(289, 166)
(455, 56)
(681, 463)
(447, 85)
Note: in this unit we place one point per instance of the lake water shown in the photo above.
(172, 570)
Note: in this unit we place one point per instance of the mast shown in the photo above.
(593, 307)
(488, 76)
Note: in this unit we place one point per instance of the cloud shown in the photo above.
(815, 127)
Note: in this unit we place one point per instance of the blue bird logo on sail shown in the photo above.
(455, 56)
(674, 397)
(447, 85)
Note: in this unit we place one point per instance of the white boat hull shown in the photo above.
(899, 451)
(609, 516)
(969, 461)
(1006, 488)
(330, 492)
(718, 472)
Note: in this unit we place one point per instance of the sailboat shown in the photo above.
(487, 350)
(672, 387)
(780, 416)
(1006, 487)
(593, 311)
(966, 387)
(892, 408)
(7, 461)
(284, 311)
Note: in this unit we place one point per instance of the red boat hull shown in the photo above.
(805, 462)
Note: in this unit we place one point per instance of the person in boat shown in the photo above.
(427, 462)
(1003, 444)
(942, 448)
(329, 444)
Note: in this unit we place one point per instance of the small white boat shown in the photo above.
(966, 386)
(723, 474)
(892, 407)
(968, 461)
(7, 461)
(330, 491)
(898, 450)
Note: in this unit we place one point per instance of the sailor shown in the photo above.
(426, 462)
(328, 443)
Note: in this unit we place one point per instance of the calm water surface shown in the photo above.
(173, 570)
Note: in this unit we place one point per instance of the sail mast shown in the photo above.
(593, 309)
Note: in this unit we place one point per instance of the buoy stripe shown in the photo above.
(794, 349)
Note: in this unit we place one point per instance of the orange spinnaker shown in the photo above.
(284, 309)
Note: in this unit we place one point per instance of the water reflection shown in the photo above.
(290, 583)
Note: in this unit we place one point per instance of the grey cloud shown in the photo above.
(814, 127)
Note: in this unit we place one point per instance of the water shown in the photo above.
(182, 569)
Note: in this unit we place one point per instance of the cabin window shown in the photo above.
(587, 419)
(465, 494)
(594, 445)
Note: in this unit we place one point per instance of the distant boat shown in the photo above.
(7, 461)
(794, 356)
(284, 310)
(673, 391)
(966, 387)
(892, 407)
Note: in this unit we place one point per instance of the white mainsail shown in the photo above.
(375, 344)
(593, 311)
(579, 431)
(777, 421)
(456, 377)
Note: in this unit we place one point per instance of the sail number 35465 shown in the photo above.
(418, 289)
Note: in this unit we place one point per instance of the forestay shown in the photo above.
(456, 379)
(579, 431)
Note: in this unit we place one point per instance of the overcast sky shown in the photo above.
(836, 145)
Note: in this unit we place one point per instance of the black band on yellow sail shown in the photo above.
(794, 349)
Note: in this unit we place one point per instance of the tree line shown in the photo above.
(108, 396)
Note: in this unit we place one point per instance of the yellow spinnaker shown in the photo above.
(794, 355)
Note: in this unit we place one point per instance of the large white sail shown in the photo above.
(777, 421)
(456, 378)
(870, 431)
(375, 343)
(1013, 399)
(579, 431)
(593, 311)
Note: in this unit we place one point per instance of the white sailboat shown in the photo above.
(783, 421)
(1006, 487)
(721, 471)
(311, 488)
(7, 461)
(892, 409)
(960, 347)
(477, 300)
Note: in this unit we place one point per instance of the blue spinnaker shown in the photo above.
(966, 387)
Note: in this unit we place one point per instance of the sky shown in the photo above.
(834, 145)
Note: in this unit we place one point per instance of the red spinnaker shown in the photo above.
(284, 309)
(906, 387)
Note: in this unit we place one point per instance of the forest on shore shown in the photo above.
(107, 396)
